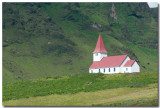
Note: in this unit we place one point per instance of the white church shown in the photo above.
(111, 64)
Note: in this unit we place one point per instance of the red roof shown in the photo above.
(129, 63)
(111, 61)
(100, 46)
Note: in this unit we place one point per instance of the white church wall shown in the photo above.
(106, 71)
(127, 69)
(94, 70)
(98, 56)
(135, 67)
(124, 62)
(112, 70)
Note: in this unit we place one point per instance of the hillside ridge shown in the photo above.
(57, 39)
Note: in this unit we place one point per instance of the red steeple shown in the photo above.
(100, 46)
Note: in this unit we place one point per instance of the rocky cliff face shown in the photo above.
(113, 14)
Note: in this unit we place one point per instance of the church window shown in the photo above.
(126, 69)
(99, 70)
(109, 70)
(104, 69)
(114, 69)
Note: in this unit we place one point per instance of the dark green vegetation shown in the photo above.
(75, 83)
(57, 39)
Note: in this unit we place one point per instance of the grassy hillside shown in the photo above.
(57, 39)
(137, 89)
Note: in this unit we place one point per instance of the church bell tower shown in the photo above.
(100, 50)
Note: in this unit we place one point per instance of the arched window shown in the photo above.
(109, 70)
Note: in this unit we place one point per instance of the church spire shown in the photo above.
(100, 48)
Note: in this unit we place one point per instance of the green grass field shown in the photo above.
(86, 83)
(144, 96)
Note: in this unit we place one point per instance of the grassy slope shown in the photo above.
(29, 43)
(145, 96)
